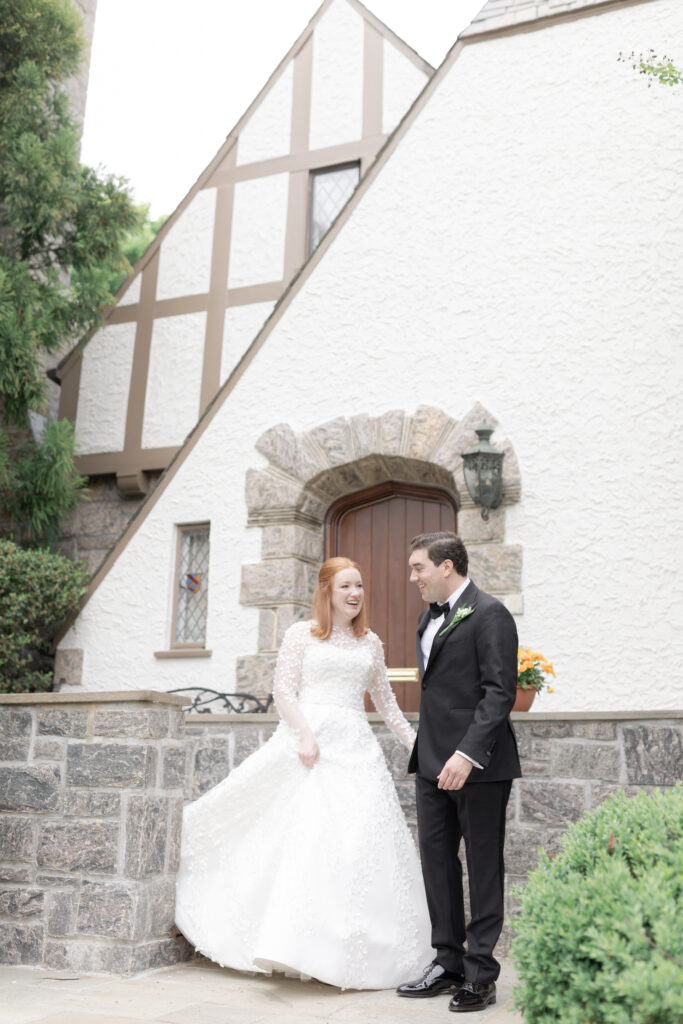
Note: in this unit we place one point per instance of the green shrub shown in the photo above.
(599, 938)
(37, 591)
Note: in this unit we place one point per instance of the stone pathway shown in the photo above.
(203, 993)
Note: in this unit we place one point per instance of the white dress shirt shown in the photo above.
(427, 639)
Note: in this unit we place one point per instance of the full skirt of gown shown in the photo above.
(310, 871)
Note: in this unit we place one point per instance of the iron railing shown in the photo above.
(206, 701)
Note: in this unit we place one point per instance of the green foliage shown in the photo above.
(37, 591)
(598, 939)
(659, 69)
(135, 243)
(61, 226)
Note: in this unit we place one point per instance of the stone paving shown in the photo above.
(200, 992)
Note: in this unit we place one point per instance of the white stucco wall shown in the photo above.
(185, 256)
(240, 327)
(174, 379)
(533, 269)
(401, 82)
(131, 296)
(337, 83)
(259, 223)
(267, 133)
(104, 386)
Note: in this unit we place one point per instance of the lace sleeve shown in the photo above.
(288, 677)
(383, 696)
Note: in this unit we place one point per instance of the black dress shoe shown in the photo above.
(435, 979)
(473, 995)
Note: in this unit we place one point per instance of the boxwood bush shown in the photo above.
(38, 590)
(599, 936)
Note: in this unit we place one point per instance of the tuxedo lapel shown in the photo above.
(468, 597)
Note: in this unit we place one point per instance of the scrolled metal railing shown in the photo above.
(206, 701)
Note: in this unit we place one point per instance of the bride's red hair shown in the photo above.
(322, 599)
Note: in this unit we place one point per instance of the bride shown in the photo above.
(301, 860)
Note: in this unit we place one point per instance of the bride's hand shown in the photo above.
(309, 752)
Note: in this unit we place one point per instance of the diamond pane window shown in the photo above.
(192, 586)
(331, 189)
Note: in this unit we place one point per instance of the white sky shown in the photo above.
(169, 79)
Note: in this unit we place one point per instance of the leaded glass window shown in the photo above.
(192, 586)
(331, 189)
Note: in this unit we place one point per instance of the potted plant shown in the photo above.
(532, 669)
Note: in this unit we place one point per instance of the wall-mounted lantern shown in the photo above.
(483, 467)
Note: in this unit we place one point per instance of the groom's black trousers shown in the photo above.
(444, 817)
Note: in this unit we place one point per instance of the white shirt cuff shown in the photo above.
(470, 759)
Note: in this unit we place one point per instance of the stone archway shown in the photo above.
(307, 472)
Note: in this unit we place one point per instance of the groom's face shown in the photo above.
(435, 582)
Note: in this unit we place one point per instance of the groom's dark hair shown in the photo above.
(441, 546)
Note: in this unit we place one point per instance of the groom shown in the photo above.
(465, 758)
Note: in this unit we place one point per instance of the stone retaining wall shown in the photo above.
(92, 787)
(91, 796)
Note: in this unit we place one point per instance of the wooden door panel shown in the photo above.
(375, 532)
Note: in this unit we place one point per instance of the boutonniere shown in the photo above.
(461, 614)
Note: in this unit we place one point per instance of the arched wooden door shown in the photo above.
(374, 528)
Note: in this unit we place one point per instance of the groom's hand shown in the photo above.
(455, 772)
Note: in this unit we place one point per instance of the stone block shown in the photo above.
(267, 492)
(550, 730)
(88, 803)
(475, 530)
(79, 846)
(601, 791)
(174, 767)
(15, 734)
(212, 763)
(292, 539)
(523, 736)
(287, 615)
(108, 908)
(144, 724)
(33, 788)
(365, 435)
(157, 900)
(21, 944)
(391, 432)
(60, 912)
(427, 428)
(597, 730)
(266, 630)
(58, 881)
(150, 956)
(521, 849)
(16, 838)
(62, 722)
(68, 667)
(278, 581)
(497, 567)
(146, 830)
(585, 760)
(281, 446)
(49, 748)
(21, 902)
(111, 765)
(254, 673)
(248, 740)
(654, 754)
(87, 956)
(14, 723)
(334, 438)
(552, 804)
(175, 822)
(16, 873)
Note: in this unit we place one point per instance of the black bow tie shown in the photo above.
(436, 609)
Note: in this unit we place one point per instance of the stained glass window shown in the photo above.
(331, 189)
(192, 586)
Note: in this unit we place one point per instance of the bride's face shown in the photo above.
(347, 596)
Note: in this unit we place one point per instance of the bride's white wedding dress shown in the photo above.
(311, 871)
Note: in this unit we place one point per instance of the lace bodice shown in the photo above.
(335, 672)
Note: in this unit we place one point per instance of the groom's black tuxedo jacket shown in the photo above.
(468, 688)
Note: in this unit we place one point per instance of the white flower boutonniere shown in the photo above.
(461, 614)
